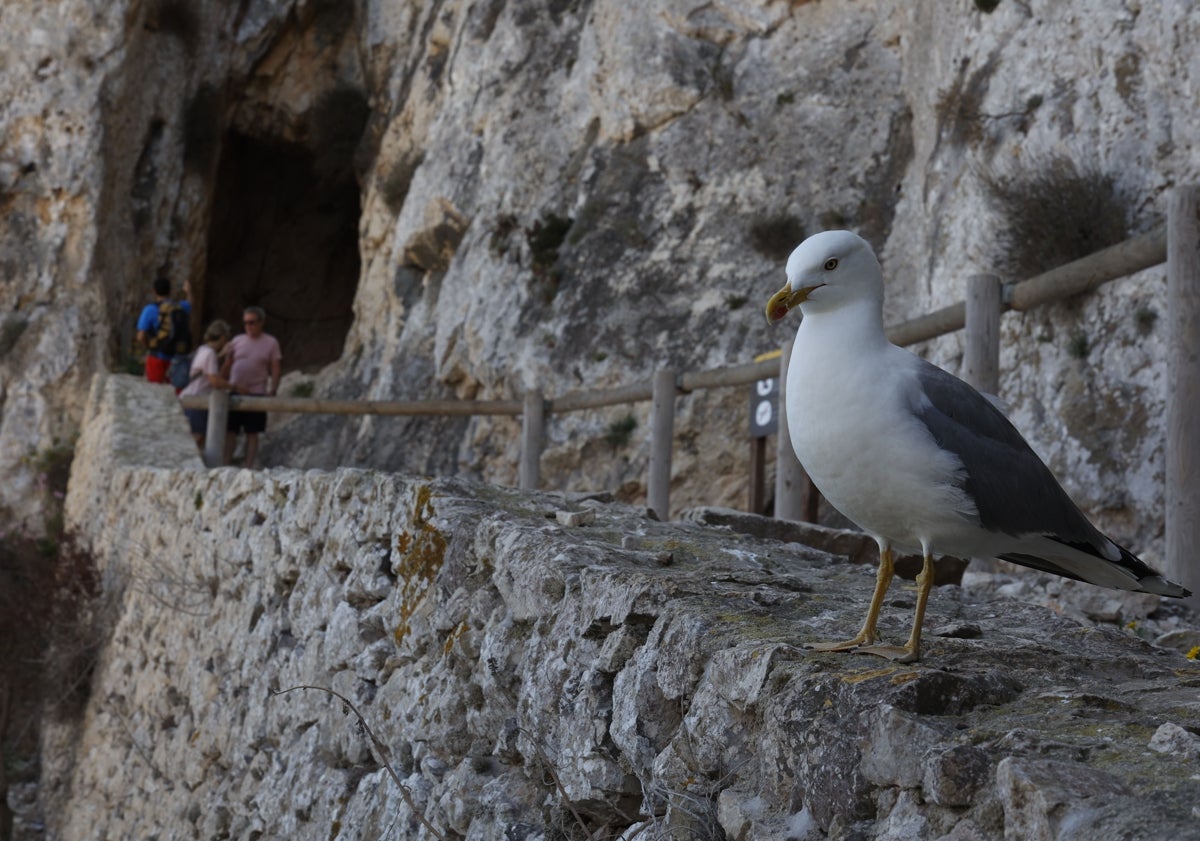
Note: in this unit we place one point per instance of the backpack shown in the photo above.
(174, 334)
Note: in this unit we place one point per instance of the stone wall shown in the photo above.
(533, 675)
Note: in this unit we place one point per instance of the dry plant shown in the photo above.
(1053, 211)
(50, 640)
(775, 236)
(602, 833)
(180, 590)
(379, 748)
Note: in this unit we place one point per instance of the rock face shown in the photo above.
(529, 679)
(473, 198)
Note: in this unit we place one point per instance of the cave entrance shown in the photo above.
(284, 236)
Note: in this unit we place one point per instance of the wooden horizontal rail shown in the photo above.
(574, 402)
(929, 326)
(1076, 277)
(1120, 260)
(746, 374)
(639, 392)
(318, 406)
(643, 391)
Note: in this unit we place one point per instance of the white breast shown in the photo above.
(852, 427)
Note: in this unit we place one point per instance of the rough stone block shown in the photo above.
(571, 519)
(893, 750)
(953, 777)
(1172, 739)
(1043, 797)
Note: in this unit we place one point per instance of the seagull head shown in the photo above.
(825, 271)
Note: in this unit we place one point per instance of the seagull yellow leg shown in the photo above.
(867, 635)
(910, 652)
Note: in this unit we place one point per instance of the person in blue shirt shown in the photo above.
(159, 359)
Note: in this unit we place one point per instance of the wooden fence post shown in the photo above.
(214, 433)
(533, 419)
(981, 356)
(1182, 492)
(662, 435)
(790, 479)
(756, 495)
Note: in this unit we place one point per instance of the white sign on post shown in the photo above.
(764, 408)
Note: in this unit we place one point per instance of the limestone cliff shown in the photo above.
(527, 679)
(471, 198)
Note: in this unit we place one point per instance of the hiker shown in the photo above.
(253, 364)
(163, 329)
(205, 376)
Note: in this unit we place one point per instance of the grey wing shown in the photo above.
(1014, 492)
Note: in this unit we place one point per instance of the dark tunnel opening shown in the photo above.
(284, 236)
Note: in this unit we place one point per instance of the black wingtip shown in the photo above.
(1163, 587)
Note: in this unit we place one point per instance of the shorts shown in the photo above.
(197, 420)
(156, 369)
(251, 423)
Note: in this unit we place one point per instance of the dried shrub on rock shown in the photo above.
(774, 237)
(1053, 211)
(620, 430)
(50, 637)
(546, 237)
(51, 625)
(959, 110)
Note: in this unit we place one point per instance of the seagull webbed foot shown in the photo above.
(845, 645)
(895, 653)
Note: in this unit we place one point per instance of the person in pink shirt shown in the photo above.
(253, 364)
(205, 375)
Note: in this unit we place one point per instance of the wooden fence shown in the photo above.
(1177, 243)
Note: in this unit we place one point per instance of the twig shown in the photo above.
(554, 776)
(380, 749)
(135, 744)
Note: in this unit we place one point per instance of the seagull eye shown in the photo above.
(831, 264)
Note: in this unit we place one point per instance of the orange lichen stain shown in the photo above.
(867, 675)
(423, 510)
(421, 556)
(905, 677)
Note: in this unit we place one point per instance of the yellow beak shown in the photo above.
(785, 300)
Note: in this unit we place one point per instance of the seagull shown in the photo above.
(916, 457)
